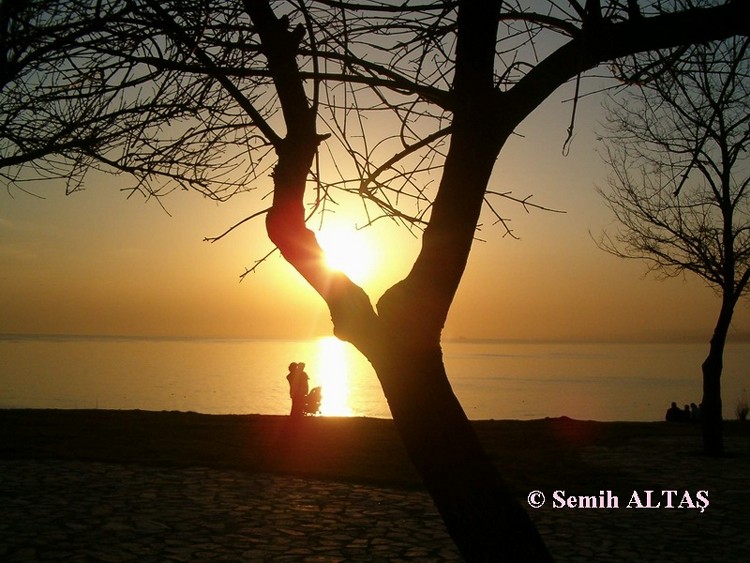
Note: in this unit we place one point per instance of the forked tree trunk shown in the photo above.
(402, 340)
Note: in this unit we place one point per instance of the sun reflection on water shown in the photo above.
(333, 369)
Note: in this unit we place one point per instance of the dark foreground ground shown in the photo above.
(536, 454)
(365, 457)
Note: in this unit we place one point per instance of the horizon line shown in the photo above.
(661, 338)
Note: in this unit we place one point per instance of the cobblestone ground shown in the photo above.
(75, 511)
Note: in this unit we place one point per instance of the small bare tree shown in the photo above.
(677, 147)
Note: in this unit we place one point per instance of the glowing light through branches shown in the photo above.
(348, 251)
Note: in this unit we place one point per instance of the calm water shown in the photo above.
(493, 380)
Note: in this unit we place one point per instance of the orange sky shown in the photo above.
(95, 263)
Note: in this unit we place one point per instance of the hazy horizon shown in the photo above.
(658, 339)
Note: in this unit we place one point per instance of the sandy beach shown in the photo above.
(347, 484)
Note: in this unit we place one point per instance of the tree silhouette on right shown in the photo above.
(677, 149)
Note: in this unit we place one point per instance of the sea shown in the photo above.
(492, 379)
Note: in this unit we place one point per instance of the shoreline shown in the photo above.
(528, 453)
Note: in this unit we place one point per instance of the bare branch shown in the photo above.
(236, 225)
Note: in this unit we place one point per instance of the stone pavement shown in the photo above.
(74, 511)
(78, 511)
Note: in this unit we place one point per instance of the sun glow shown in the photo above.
(348, 251)
(334, 377)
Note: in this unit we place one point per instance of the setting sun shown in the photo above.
(349, 251)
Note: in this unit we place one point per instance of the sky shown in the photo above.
(96, 262)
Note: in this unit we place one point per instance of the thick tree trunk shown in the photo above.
(483, 518)
(711, 407)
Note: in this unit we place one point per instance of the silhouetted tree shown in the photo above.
(214, 95)
(677, 146)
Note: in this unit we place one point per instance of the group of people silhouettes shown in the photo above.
(691, 412)
(304, 401)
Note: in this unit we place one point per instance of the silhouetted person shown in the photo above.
(298, 388)
(304, 379)
(674, 414)
(695, 412)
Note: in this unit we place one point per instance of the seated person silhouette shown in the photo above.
(674, 413)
